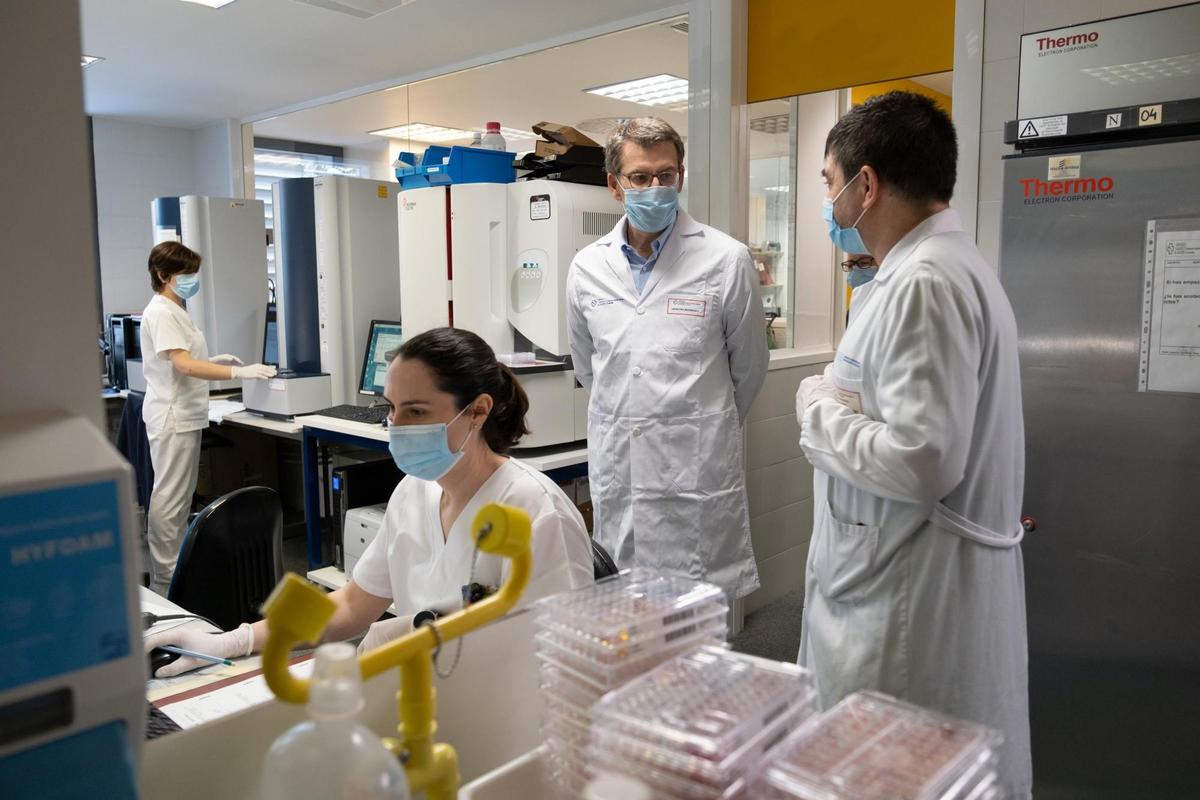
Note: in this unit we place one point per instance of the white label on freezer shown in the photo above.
(1112, 120)
(539, 207)
(1149, 115)
(1171, 307)
(1042, 126)
(1063, 167)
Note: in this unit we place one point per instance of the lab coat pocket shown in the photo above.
(848, 380)
(687, 322)
(843, 557)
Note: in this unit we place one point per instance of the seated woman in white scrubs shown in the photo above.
(177, 369)
(456, 411)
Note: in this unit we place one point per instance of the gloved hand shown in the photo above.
(226, 359)
(814, 388)
(236, 643)
(253, 371)
(385, 631)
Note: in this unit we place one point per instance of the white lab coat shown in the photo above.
(915, 583)
(672, 374)
(175, 412)
(411, 562)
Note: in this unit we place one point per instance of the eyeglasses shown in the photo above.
(644, 180)
(858, 263)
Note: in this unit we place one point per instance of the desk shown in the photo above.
(561, 463)
(488, 709)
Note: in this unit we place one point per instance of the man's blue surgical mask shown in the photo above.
(423, 451)
(187, 284)
(651, 210)
(847, 239)
(860, 275)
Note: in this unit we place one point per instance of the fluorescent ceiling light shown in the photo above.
(436, 134)
(662, 91)
(777, 189)
(87, 61)
(209, 3)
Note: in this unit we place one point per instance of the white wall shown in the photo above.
(48, 323)
(1004, 22)
(779, 485)
(374, 159)
(136, 162)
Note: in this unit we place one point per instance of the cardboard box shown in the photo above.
(558, 139)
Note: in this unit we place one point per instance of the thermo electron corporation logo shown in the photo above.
(1073, 190)
(1054, 45)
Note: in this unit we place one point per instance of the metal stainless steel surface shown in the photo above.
(1112, 475)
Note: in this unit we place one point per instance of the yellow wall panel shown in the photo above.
(801, 46)
(859, 94)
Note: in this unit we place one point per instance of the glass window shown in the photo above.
(771, 231)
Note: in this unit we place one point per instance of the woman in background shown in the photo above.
(177, 368)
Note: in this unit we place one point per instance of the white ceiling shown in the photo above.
(518, 92)
(183, 64)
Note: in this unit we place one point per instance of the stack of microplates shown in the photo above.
(873, 747)
(596, 639)
(700, 725)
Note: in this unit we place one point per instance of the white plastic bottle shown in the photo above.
(492, 140)
(476, 140)
(332, 756)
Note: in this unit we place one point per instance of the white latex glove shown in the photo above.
(253, 371)
(814, 388)
(236, 643)
(226, 359)
(385, 631)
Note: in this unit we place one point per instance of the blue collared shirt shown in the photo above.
(640, 267)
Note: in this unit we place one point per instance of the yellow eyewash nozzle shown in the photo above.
(502, 530)
(298, 608)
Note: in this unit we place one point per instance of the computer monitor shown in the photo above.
(384, 338)
(270, 352)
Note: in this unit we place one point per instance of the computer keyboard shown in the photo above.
(158, 723)
(370, 415)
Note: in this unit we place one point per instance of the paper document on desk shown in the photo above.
(220, 409)
(192, 711)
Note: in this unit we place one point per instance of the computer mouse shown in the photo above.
(159, 658)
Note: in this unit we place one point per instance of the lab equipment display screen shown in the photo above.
(270, 354)
(384, 337)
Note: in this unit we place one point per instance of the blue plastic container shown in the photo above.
(442, 166)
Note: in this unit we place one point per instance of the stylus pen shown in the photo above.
(170, 648)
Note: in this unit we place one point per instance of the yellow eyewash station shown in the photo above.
(297, 613)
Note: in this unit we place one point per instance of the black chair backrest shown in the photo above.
(231, 557)
(602, 564)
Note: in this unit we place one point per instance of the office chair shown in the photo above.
(602, 564)
(231, 557)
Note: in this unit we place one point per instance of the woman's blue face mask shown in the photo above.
(187, 284)
(423, 451)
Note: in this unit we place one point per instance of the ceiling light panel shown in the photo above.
(209, 3)
(777, 123)
(659, 91)
(437, 134)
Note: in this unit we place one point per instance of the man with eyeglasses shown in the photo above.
(667, 333)
(860, 269)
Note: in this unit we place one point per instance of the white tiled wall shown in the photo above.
(779, 483)
(1005, 21)
(135, 163)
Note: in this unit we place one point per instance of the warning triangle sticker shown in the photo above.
(1028, 130)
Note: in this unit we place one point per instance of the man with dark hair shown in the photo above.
(914, 584)
(667, 332)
